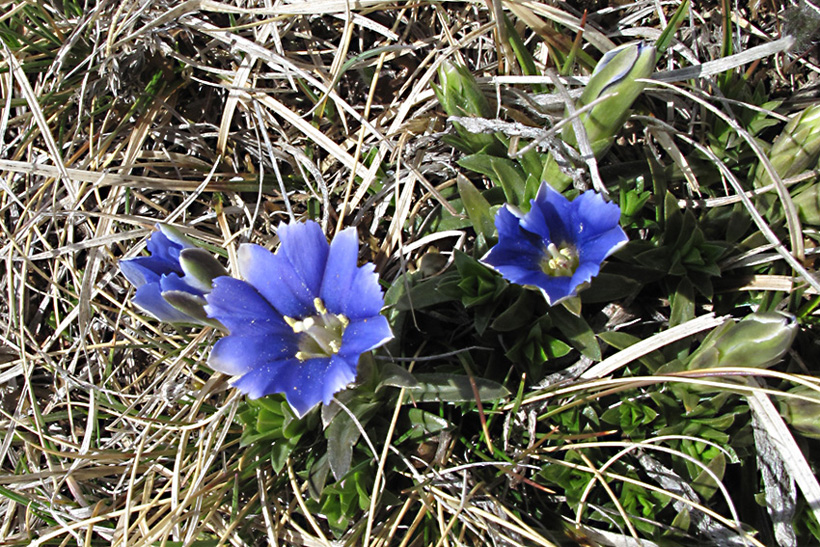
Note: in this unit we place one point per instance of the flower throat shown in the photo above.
(320, 335)
(559, 261)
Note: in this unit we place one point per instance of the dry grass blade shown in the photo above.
(768, 418)
(624, 357)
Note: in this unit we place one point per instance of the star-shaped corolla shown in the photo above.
(558, 245)
(300, 318)
(172, 282)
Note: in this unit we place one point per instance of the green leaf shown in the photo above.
(396, 376)
(424, 424)
(665, 39)
(682, 520)
(317, 476)
(577, 331)
(683, 303)
(342, 435)
(408, 292)
(281, 451)
(517, 315)
(622, 340)
(478, 208)
(454, 388)
(609, 287)
(503, 172)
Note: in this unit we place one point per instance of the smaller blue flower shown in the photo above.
(558, 245)
(172, 282)
(301, 317)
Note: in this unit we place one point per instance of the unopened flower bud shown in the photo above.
(618, 72)
(803, 415)
(796, 149)
(172, 281)
(758, 340)
(807, 204)
(616, 76)
(460, 96)
(459, 93)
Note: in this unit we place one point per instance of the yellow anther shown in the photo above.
(559, 261)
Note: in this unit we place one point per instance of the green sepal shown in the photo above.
(200, 268)
(191, 305)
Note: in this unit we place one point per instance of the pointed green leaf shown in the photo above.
(478, 208)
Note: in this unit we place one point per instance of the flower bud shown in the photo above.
(803, 415)
(616, 74)
(172, 281)
(191, 305)
(807, 204)
(796, 149)
(758, 340)
(460, 95)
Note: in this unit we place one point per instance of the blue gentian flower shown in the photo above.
(558, 245)
(172, 282)
(300, 319)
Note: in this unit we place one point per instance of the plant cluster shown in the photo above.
(432, 274)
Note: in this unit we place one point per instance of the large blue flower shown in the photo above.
(300, 319)
(559, 244)
(172, 282)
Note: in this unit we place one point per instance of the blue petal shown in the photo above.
(140, 270)
(306, 248)
(261, 381)
(369, 299)
(557, 212)
(365, 335)
(315, 381)
(514, 238)
(594, 215)
(337, 284)
(508, 223)
(342, 372)
(585, 273)
(244, 311)
(518, 252)
(535, 223)
(598, 248)
(521, 275)
(553, 288)
(274, 277)
(236, 354)
(304, 384)
(162, 248)
(514, 244)
(149, 298)
(173, 282)
(557, 288)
